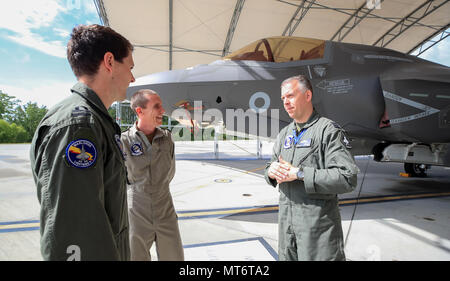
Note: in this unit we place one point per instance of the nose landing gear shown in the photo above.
(416, 170)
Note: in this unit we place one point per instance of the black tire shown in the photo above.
(415, 170)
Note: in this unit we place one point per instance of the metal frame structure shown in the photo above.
(356, 16)
(410, 20)
(360, 14)
(423, 47)
(232, 28)
(294, 22)
(101, 12)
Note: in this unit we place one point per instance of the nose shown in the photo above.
(163, 110)
(132, 78)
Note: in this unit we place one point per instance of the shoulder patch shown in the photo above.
(345, 141)
(81, 153)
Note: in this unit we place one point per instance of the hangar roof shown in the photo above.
(175, 34)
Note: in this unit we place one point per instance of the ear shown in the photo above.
(108, 61)
(138, 111)
(308, 95)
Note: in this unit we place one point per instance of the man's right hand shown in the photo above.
(278, 172)
(282, 171)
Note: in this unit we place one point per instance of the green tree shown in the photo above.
(11, 133)
(7, 104)
(29, 116)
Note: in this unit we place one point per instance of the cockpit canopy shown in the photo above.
(280, 49)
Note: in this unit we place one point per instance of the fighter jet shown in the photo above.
(392, 105)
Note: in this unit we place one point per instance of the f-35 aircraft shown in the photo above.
(392, 105)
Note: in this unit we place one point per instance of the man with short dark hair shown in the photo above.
(151, 166)
(76, 155)
(312, 164)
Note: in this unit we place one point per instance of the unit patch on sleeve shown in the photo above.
(81, 153)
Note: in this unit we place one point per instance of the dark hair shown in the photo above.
(88, 45)
(139, 98)
(302, 80)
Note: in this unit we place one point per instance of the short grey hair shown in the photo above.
(302, 80)
(139, 98)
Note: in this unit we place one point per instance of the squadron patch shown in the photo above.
(288, 141)
(136, 149)
(81, 153)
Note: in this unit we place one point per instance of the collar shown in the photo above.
(87, 93)
(311, 121)
(134, 130)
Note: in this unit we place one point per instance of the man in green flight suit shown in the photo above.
(76, 155)
(312, 164)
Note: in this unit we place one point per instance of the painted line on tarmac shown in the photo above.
(16, 226)
(264, 243)
(216, 213)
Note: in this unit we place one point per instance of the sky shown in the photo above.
(33, 39)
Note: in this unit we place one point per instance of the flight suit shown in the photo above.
(151, 167)
(80, 175)
(309, 219)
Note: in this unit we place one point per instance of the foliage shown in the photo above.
(29, 116)
(19, 121)
(7, 104)
(12, 133)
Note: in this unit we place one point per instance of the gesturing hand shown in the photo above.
(282, 171)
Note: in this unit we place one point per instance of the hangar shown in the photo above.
(175, 34)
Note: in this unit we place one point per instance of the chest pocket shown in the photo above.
(306, 152)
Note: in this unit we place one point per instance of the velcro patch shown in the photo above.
(81, 153)
(288, 142)
(80, 111)
(346, 142)
(136, 149)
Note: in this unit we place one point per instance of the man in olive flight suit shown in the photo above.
(76, 158)
(312, 164)
(150, 163)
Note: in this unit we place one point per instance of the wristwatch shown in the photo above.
(300, 174)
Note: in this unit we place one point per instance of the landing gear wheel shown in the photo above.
(416, 170)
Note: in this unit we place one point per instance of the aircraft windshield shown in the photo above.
(280, 49)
